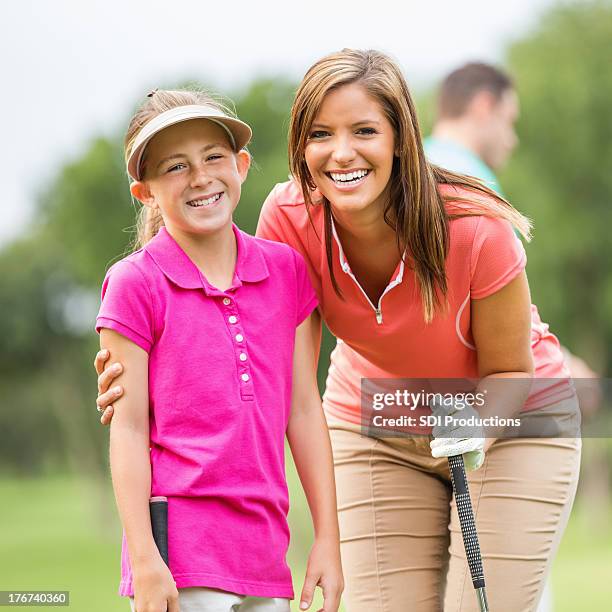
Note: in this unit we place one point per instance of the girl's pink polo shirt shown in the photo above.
(390, 339)
(220, 370)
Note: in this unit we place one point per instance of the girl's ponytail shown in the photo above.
(148, 223)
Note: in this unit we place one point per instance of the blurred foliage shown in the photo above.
(265, 107)
(52, 275)
(561, 173)
(85, 209)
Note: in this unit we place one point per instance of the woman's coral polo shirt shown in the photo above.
(220, 378)
(390, 339)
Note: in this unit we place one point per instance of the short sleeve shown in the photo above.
(498, 256)
(306, 296)
(269, 225)
(127, 306)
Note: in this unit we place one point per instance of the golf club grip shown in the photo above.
(158, 507)
(466, 519)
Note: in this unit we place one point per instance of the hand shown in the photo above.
(154, 587)
(105, 378)
(325, 570)
(454, 436)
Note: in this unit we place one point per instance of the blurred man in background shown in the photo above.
(474, 133)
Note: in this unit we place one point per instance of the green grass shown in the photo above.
(53, 536)
(50, 541)
(582, 570)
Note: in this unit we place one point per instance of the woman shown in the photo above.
(419, 275)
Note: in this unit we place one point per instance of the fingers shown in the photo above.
(104, 400)
(446, 447)
(310, 582)
(107, 416)
(437, 448)
(107, 396)
(173, 603)
(107, 377)
(101, 358)
(473, 460)
(331, 597)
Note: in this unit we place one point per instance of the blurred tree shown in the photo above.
(88, 211)
(265, 107)
(560, 175)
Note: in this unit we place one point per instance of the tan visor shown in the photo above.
(239, 133)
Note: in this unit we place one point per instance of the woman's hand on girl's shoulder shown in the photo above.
(324, 570)
(154, 587)
(106, 396)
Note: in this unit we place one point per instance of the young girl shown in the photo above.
(214, 332)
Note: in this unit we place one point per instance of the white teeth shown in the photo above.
(208, 202)
(350, 176)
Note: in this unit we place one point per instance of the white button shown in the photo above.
(239, 338)
(245, 377)
(233, 319)
(243, 357)
(227, 301)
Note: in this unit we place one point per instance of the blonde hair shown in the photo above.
(149, 220)
(416, 208)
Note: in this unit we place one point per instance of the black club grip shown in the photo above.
(158, 507)
(466, 519)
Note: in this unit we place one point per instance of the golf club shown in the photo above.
(468, 527)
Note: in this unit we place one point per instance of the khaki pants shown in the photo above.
(212, 600)
(401, 543)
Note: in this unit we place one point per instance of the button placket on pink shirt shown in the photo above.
(227, 303)
(240, 351)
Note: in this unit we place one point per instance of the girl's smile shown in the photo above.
(205, 201)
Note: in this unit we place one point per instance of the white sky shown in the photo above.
(72, 69)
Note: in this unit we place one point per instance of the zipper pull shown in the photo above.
(379, 316)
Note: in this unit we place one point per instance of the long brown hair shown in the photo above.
(149, 220)
(416, 209)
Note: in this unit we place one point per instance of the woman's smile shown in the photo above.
(348, 180)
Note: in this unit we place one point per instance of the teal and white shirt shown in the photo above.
(457, 158)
